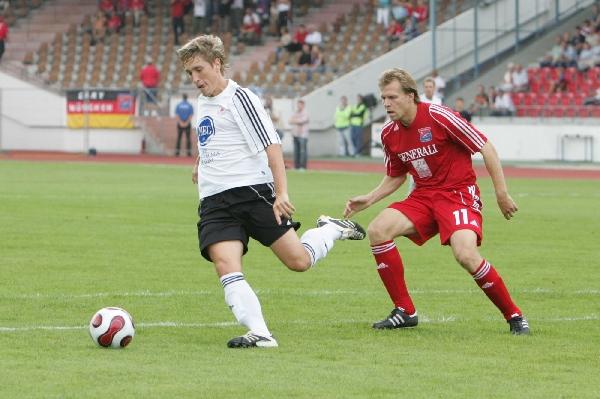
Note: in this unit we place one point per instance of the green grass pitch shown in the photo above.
(75, 237)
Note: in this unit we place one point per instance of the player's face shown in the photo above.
(397, 104)
(206, 76)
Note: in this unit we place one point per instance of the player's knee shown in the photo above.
(298, 263)
(467, 259)
(377, 233)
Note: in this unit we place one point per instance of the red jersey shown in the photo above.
(435, 149)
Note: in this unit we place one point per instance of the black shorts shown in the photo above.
(240, 213)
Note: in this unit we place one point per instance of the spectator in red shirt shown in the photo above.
(421, 12)
(150, 78)
(107, 7)
(177, 11)
(3, 35)
(114, 23)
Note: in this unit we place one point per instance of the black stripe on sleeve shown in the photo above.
(253, 116)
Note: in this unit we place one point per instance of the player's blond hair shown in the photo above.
(209, 47)
(407, 83)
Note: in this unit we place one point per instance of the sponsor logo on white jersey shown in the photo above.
(205, 130)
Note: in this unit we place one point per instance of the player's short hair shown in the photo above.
(407, 83)
(209, 47)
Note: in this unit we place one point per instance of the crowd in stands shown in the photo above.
(566, 81)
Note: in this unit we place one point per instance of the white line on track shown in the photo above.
(227, 324)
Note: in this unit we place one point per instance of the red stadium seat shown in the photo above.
(595, 111)
(570, 111)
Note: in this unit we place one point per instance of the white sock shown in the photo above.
(319, 241)
(244, 303)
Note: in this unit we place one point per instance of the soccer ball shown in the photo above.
(112, 328)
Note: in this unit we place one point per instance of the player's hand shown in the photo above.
(282, 207)
(355, 205)
(508, 207)
(195, 174)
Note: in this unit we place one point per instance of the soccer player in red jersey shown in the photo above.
(433, 144)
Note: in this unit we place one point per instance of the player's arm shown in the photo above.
(388, 185)
(282, 207)
(508, 207)
(195, 171)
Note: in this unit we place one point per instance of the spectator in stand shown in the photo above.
(283, 13)
(547, 61)
(224, 11)
(177, 12)
(561, 83)
(150, 78)
(399, 10)
(3, 35)
(251, 29)
(557, 48)
(482, 101)
(394, 33)
(459, 106)
(428, 95)
(492, 94)
(238, 12)
(503, 105)
(304, 58)
(410, 30)
(298, 39)
(314, 37)
(383, 12)
(184, 112)
(440, 84)
(421, 15)
(593, 100)
(299, 121)
(520, 80)
(284, 42)
(114, 23)
(507, 80)
(138, 8)
(317, 61)
(586, 58)
(342, 124)
(99, 27)
(199, 17)
(107, 7)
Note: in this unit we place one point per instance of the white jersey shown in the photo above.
(233, 131)
(434, 100)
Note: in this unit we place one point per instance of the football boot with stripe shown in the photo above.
(251, 340)
(350, 230)
(397, 319)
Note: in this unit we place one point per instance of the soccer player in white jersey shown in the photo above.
(243, 188)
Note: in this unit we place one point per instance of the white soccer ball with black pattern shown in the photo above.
(112, 327)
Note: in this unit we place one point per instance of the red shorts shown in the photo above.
(442, 212)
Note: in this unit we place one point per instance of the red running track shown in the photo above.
(591, 172)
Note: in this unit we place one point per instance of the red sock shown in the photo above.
(391, 272)
(491, 283)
